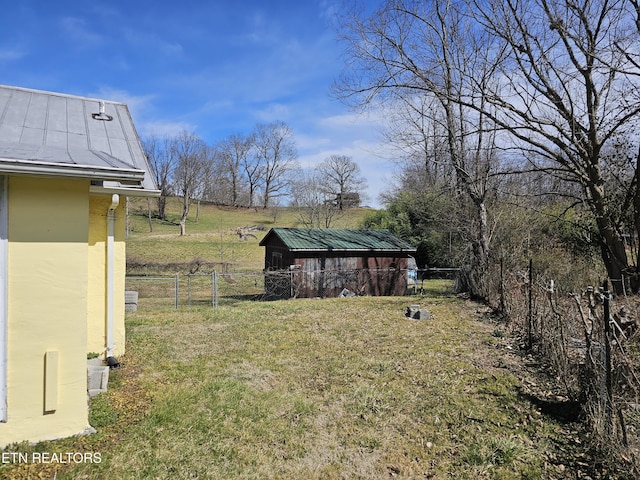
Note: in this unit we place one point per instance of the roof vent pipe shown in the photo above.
(101, 115)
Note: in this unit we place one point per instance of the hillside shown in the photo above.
(212, 241)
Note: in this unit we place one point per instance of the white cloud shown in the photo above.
(152, 42)
(162, 128)
(143, 110)
(353, 135)
(134, 102)
(78, 30)
(10, 54)
(273, 112)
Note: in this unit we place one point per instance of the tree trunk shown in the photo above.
(186, 201)
(251, 194)
(475, 277)
(149, 215)
(162, 202)
(612, 245)
(635, 278)
(614, 254)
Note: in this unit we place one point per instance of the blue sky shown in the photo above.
(211, 67)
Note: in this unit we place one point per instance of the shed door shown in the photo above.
(3, 296)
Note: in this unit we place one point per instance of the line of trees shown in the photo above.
(238, 171)
(497, 93)
(259, 169)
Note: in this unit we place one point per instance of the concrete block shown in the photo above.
(97, 379)
(417, 313)
(131, 300)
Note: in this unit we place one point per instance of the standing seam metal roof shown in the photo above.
(58, 131)
(325, 239)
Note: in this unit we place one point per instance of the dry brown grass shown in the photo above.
(331, 389)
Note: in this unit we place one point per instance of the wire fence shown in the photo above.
(195, 289)
(213, 289)
(590, 339)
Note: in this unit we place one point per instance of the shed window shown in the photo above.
(276, 260)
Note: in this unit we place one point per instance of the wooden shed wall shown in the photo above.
(327, 274)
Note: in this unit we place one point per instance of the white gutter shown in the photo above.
(110, 287)
(127, 192)
(34, 167)
(4, 315)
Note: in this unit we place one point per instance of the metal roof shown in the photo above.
(56, 134)
(335, 239)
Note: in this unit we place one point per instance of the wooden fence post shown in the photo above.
(503, 307)
(530, 307)
(607, 354)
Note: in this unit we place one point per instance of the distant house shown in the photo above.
(67, 163)
(301, 262)
(347, 200)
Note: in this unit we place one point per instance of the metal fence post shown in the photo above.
(177, 289)
(214, 289)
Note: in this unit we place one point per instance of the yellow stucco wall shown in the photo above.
(48, 285)
(96, 341)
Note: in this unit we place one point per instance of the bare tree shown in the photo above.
(275, 151)
(340, 177)
(407, 50)
(252, 170)
(189, 152)
(556, 82)
(217, 188)
(316, 208)
(568, 90)
(416, 129)
(233, 154)
(158, 151)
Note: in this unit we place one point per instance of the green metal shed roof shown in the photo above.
(324, 239)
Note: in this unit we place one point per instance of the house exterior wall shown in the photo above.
(96, 341)
(47, 308)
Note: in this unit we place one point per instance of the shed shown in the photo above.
(67, 163)
(307, 262)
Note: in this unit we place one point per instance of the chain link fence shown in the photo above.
(215, 288)
(196, 289)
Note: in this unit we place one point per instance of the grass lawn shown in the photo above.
(213, 239)
(311, 389)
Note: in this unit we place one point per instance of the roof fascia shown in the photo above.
(59, 94)
(128, 192)
(12, 166)
(340, 250)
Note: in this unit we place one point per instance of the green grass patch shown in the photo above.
(336, 388)
(316, 389)
(213, 240)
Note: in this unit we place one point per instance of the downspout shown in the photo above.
(110, 287)
(4, 311)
